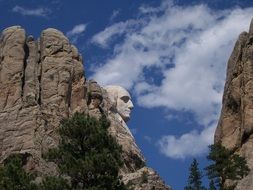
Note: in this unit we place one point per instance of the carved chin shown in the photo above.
(125, 117)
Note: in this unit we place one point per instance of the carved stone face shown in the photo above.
(122, 99)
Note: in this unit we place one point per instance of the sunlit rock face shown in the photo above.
(235, 127)
(42, 82)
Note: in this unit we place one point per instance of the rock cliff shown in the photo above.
(235, 127)
(42, 82)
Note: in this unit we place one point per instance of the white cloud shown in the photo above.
(103, 38)
(148, 139)
(115, 13)
(187, 46)
(189, 144)
(134, 131)
(76, 31)
(40, 12)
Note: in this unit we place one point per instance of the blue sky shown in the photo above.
(171, 56)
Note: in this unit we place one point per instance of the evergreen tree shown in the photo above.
(88, 154)
(13, 176)
(194, 180)
(212, 185)
(54, 183)
(225, 165)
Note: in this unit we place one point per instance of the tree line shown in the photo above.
(87, 158)
(223, 172)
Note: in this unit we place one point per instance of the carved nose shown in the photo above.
(130, 104)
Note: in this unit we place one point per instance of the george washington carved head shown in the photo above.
(121, 100)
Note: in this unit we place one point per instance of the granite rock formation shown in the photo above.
(42, 82)
(235, 127)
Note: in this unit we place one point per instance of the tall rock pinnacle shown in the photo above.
(42, 82)
(235, 127)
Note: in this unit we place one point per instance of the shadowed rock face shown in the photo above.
(235, 127)
(42, 82)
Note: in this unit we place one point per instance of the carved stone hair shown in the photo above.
(113, 92)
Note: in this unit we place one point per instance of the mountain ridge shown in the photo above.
(42, 82)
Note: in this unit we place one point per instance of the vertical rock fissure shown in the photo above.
(26, 51)
(69, 93)
(1, 56)
(39, 69)
(39, 80)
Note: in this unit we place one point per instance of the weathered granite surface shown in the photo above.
(235, 127)
(42, 82)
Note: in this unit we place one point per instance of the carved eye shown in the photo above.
(125, 99)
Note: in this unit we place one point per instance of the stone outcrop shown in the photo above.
(235, 127)
(42, 82)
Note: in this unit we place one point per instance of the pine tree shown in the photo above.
(54, 183)
(13, 176)
(88, 154)
(212, 185)
(225, 165)
(194, 179)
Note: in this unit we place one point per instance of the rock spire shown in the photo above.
(235, 127)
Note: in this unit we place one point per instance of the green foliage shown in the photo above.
(194, 179)
(212, 185)
(54, 183)
(13, 176)
(88, 154)
(130, 185)
(225, 166)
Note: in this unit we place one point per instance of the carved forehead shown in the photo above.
(117, 91)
